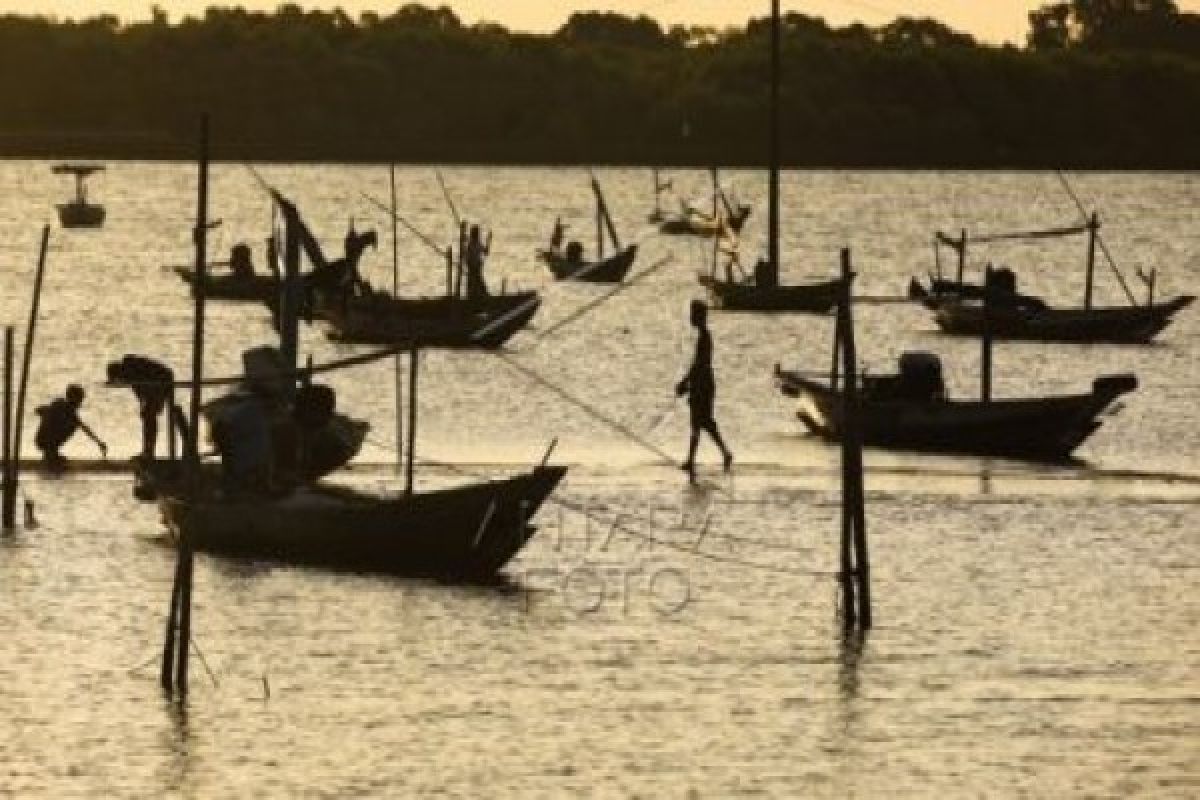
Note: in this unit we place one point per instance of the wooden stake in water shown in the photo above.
(856, 564)
(399, 373)
(413, 369)
(26, 361)
(8, 495)
(176, 647)
(985, 391)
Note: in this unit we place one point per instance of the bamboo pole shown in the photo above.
(716, 218)
(8, 497)
(26, 361)
(844, 347)
(985, 391)
(773, 177)
(413, 358)
(1093, 226)
(962, 254)
(398, 370)
(853, 510)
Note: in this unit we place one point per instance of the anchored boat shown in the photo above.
(958, 305)
(762, 291)
(910, 411)
(569, 264)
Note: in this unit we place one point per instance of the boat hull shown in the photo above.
(81, 215)
(687, 225)
(1127, 324)
(235, 288)
(815, 298)
(448, 322)
(611, 270)
(1038, 429)
(468, 532)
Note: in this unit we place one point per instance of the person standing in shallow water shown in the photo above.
(699, 384)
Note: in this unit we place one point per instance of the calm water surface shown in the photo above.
(1036, 627)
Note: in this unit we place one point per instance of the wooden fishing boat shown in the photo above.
(1118, 324)
(731, 295)
(79, 213)
(695, 223)
(762, 290)
(609, 270)
(468, 532)
(958, 305)
(233, 287)
(451, 322)
(571, 265)
(1039, 428)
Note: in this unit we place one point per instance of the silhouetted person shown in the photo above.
(150, 382)
(240, 262)
(699, 384)
(59, 419)
(574, 253)
(475, 256)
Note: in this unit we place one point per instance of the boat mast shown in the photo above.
(1093, 227)
(773, 177)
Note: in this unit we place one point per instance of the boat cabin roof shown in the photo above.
(76, 169)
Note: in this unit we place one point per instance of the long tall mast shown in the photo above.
(773, 178)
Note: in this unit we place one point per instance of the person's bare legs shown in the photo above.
(715, 433)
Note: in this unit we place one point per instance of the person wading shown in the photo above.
(699, 384)
(58, 421)
(150, 382)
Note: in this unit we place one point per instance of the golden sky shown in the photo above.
(992, 20)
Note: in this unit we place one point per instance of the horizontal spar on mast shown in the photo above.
(1047, 233)
(299, 372)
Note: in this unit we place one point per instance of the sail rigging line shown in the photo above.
(580, 508)
(595, 303)
(458, 220)
(957, 244)
(1099, 239)
(423, 237)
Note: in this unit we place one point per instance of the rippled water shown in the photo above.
(1035, 626)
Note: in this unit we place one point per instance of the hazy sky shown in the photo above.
(993, 20)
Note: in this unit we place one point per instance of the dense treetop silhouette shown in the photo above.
(1100, 83)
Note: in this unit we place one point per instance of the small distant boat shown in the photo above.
(909, 411)
(958, 305)
(79, 213)
(571, 265)
(689, 221)
(762, 291)
(450, 322)
(240, 284)
(1114, 324)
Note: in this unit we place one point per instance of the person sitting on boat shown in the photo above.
(240, 262)
(58, 421)
(151, 383)
(699, 384)
(340, 279)
(475, 255)
(574, 253)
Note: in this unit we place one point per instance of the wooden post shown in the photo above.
(459, 266)
(26, 361)
(657, 193)
(8, 497)
(1093, 231)
(599, 224)
(774, 154)
(962, 254)
(835, 364)
(176, 648)
(289, 305)
(398, 370)
(985, 391)
(716, 216)
(449, 272)
(937, 257)
(1151, 279)
(843, 348)
(413, 357)
(854, 527)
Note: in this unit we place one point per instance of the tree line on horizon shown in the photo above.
(1100, 83)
